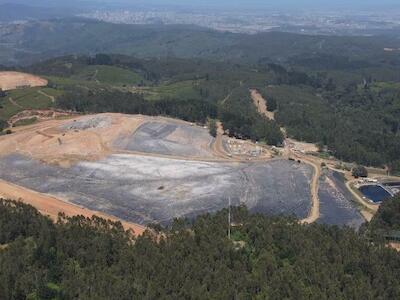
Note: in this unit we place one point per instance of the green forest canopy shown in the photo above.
(267, 258)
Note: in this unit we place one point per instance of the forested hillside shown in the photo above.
(38, 40)
(274, 258)
(357, 123)
(387, 220)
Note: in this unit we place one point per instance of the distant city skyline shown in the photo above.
(272, 4)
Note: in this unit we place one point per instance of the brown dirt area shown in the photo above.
(261, 104)
(13, 80)
(73, 138)
(395, 246)
(52, 142)
(302, 147)
(51, 206)
(314, 185)
(217, 146)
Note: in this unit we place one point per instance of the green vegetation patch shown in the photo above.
(109, 75)
(29, 98)
(182, 90)
(266, 258)
(25, 122)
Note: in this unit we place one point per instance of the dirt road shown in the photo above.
(369, 209)
(261, 104)
(314, 212)
(52, 98)
(51, 206)
(218, 146)
(14, 103)
(226, 98)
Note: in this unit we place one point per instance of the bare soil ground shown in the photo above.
(261, 104)
(395, 246)
(302, 147)
(218, 146)
(64, 142)
(51, 206)
(13, 80)
(314, 213)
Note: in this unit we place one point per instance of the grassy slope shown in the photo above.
(178, 90)
(109, 75)
(25, 99)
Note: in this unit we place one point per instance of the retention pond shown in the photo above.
(376, 193)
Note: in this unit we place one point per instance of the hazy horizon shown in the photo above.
(288, 5)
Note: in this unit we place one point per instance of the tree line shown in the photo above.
(266, 258)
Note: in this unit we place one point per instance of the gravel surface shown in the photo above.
(89, 122)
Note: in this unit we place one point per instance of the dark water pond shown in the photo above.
(374, 192)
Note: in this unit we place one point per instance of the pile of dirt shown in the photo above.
(65, 142)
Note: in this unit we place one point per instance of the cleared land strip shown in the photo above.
(12, 80)
(51, 206)
(314, 213)
(217, 146)
(261, 104)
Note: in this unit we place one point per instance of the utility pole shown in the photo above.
(229, 219)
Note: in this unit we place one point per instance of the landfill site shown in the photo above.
(149, 169)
